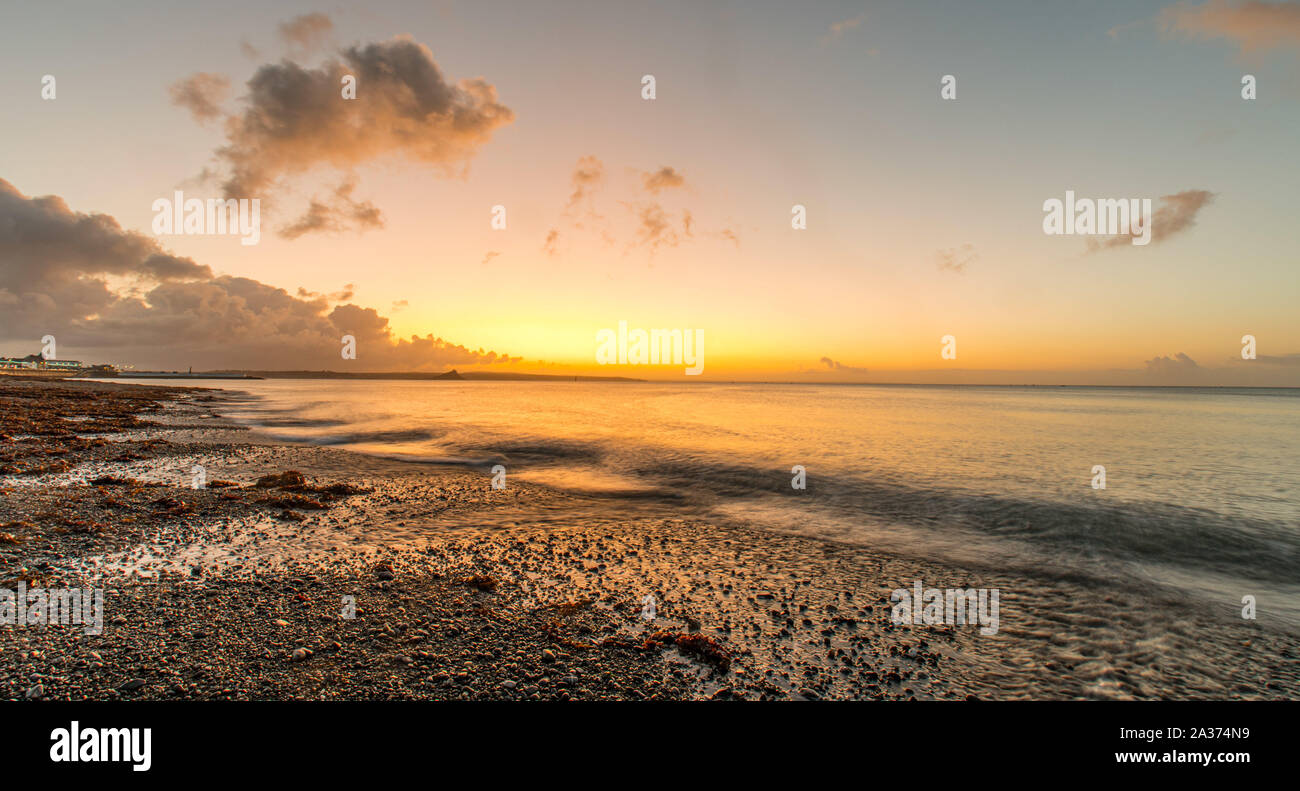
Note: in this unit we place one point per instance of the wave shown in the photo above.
(1094, 527)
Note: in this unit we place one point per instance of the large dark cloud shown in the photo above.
(295, 119)
(47, 251)
(118, 294)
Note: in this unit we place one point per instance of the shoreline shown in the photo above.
(464, 592)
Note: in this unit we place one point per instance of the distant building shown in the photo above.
(99, 370)
(35, 362)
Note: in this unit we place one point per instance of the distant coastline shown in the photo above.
(452, 375)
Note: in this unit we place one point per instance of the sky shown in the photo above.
(924, 214)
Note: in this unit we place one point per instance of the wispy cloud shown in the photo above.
(307, 33)
(838, 29)
(1174, 214)
(1252, 26)
(202, 94)
(835, 365)
(587, 176)
(662, 179)
(339, 212)
(654, 225)
(956, 259)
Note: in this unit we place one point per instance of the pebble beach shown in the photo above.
(315, 573)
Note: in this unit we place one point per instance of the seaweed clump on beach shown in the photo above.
(296, 483)
(703, 648)
(480, 581)
(293, 490)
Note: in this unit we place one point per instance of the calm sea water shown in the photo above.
(1201, 484)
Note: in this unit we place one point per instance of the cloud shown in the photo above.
(956, 259)
(655, 229)
(835, 365)
(491, 254)
(96, 286)
(46, 248)
(1174, 214)
(338, 296)
(294, 119)
(398, 305)
(306, 33)
(1118, 30)
(1278, 359)
(1252, 26)
(1177, 365)
(662, 179)
(587, 175)
(202, 94)
(337, 213)
(838, 29)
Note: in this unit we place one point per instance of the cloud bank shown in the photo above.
(95, 286)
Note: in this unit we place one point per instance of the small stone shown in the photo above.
(35, 692)
(548, 655)
(300, 654)
(134, 683)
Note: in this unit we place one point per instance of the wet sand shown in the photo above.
(374, 579)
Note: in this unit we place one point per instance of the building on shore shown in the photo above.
(36, 365)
